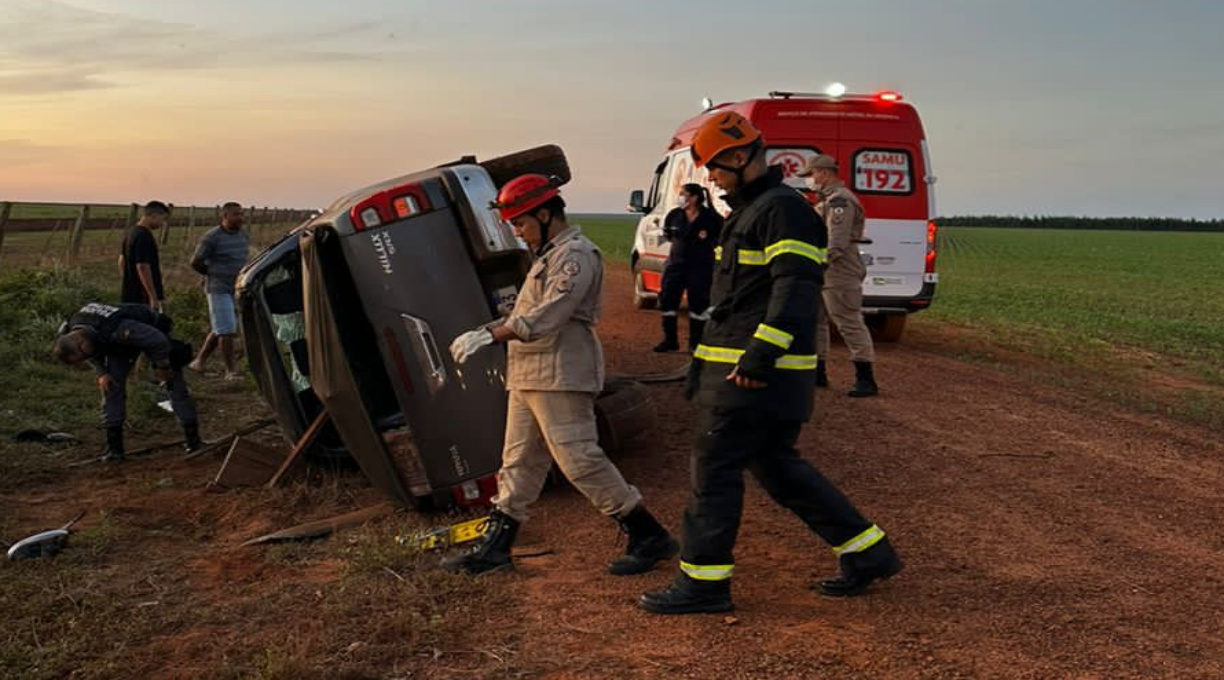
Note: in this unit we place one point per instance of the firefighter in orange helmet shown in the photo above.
(753, 378)
(554, 371)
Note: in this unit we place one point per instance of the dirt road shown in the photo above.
(1046, 535)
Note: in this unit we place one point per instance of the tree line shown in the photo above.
(1067, 222)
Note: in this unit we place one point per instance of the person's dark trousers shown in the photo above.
(731, 441)
(114, 405)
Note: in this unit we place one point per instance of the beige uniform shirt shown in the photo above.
(555, 315)
(843, 215)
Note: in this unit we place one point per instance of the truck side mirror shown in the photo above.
(637, 201)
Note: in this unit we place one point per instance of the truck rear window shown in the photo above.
(883, 171)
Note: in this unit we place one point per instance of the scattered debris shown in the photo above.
(43, 544)
(326, 527)
(40, 437)
(247, 464)
(443, 537)
(290, 463)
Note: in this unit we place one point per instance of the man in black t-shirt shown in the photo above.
(139, 263)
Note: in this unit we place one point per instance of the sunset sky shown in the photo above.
(1096, 107)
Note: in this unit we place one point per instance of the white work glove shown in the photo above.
(470, 343)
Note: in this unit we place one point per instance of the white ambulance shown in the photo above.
(880, 145)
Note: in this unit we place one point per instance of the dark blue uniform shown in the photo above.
(689, 269)
(120, 334)
(766, 295)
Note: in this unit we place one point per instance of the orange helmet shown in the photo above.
(722, 131)
(526, 193)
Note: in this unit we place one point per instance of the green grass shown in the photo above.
(1075, 294)
(613, 235)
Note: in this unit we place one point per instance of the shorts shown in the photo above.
(221, 314)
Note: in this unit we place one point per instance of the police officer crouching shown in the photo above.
(112, 338)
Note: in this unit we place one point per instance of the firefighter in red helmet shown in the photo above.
(554, 372)
(753, 377)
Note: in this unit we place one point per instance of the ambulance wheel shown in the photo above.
(887, 327)
(545, 160)
(642, 299)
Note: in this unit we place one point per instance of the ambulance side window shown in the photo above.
(678, 173)
(656, 185)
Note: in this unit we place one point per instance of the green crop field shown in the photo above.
(1068, 295)
(613, 235)
(1071, 293)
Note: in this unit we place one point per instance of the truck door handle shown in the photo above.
(428, 346)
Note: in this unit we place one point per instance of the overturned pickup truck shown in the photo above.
(352, 312)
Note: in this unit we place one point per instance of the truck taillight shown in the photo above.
(389, 206)
(406, 206)
(370, 218)
(475, 492)
(932, 234)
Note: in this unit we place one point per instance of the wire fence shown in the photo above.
(42, 235)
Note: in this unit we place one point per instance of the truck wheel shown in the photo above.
(641, 298)
(545, 160)
(623, 411)
(887, 327)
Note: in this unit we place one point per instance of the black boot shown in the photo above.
(696, 330)
(671, 340)
(822, 373)
(114, 445)
(649, 543)
(689, 596)
(864, 380)
(192, 432)
(860, 570)
(492, 553)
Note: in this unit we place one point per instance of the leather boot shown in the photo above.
(864, 380)
(696, 330)
(689, 596)
(114, 445)
(649, 543)
(860, 570)
(822, 373)
(492, 553)
(192, 432)
(671, 340)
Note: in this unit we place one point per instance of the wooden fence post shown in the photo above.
(78, 232)
(165, 230)
(191, 222)
(5, 208)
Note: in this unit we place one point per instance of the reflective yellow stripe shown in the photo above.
(861, 542)
(727, 355)
(718, 253)
(755, 257)
(714, 572)
(774, 336)
(800, 248)
(787, 247)
(796, 362)
(718, 355)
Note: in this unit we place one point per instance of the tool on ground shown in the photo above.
(43, 544)
(443, 537)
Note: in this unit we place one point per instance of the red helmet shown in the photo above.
(526, 193)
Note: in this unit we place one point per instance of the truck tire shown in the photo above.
(641, 298)
(545, 160)
(887, 327)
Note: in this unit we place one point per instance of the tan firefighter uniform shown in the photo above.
(553, 375)
(843, 284)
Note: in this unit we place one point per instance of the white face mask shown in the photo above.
(682, 201)
(813, 184)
